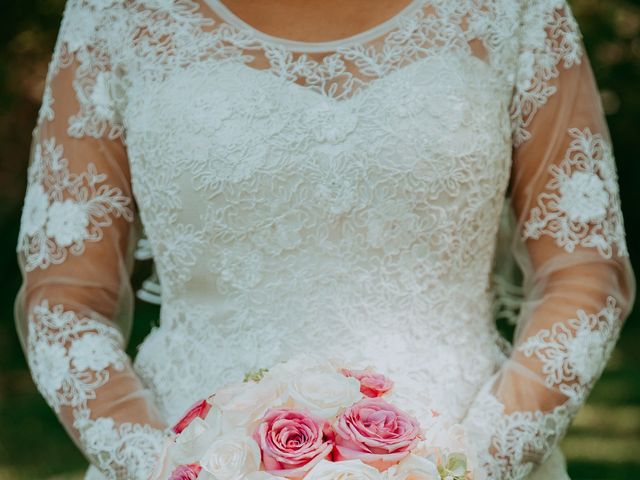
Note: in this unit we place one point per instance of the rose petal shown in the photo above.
(372, 384)
(198, 409)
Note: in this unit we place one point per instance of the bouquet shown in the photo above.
(316, 420)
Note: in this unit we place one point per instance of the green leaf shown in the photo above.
(255, 376)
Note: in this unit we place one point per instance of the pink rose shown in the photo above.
(293, 441)
(371, 384)
(198, 409)
(375, 432)
(185, 472)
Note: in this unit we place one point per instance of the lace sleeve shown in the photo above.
(570, 245)
(73, 311)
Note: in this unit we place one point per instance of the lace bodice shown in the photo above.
(342, 197)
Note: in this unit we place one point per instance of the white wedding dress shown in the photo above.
(338, 197)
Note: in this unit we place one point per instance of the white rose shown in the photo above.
(444, 437)
(262, 476)
(230, 457)
(214, 418)
(283, 371)
(193, 442)
(323, 393)
(443, 434)
(244, 404)
(413, 467)
(347, 470)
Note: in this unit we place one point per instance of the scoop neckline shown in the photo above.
(220, 9)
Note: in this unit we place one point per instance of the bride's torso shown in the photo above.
(344, 203)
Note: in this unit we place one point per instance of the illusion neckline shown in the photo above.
(219, 8)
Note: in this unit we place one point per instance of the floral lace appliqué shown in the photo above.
(540, 61)
(125, 450)
(573, 353)
(581, 207)
(511, 445)
(63, 210)
(69, 356)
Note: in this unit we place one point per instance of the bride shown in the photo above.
(325, 177)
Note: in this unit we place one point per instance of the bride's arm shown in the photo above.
(74, 309)
(570, 245)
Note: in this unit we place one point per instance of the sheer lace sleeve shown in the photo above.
(570, 245)
(74, 309)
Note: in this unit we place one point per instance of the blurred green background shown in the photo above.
(604, 441)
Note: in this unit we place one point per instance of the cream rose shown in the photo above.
(230, 457)
(414, 467)
(444, 437)
(302, 363)
(262, 476)
(243, 405)
(347, 470)
(323, 393)
(193, 441)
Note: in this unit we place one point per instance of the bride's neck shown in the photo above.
(314, 20)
